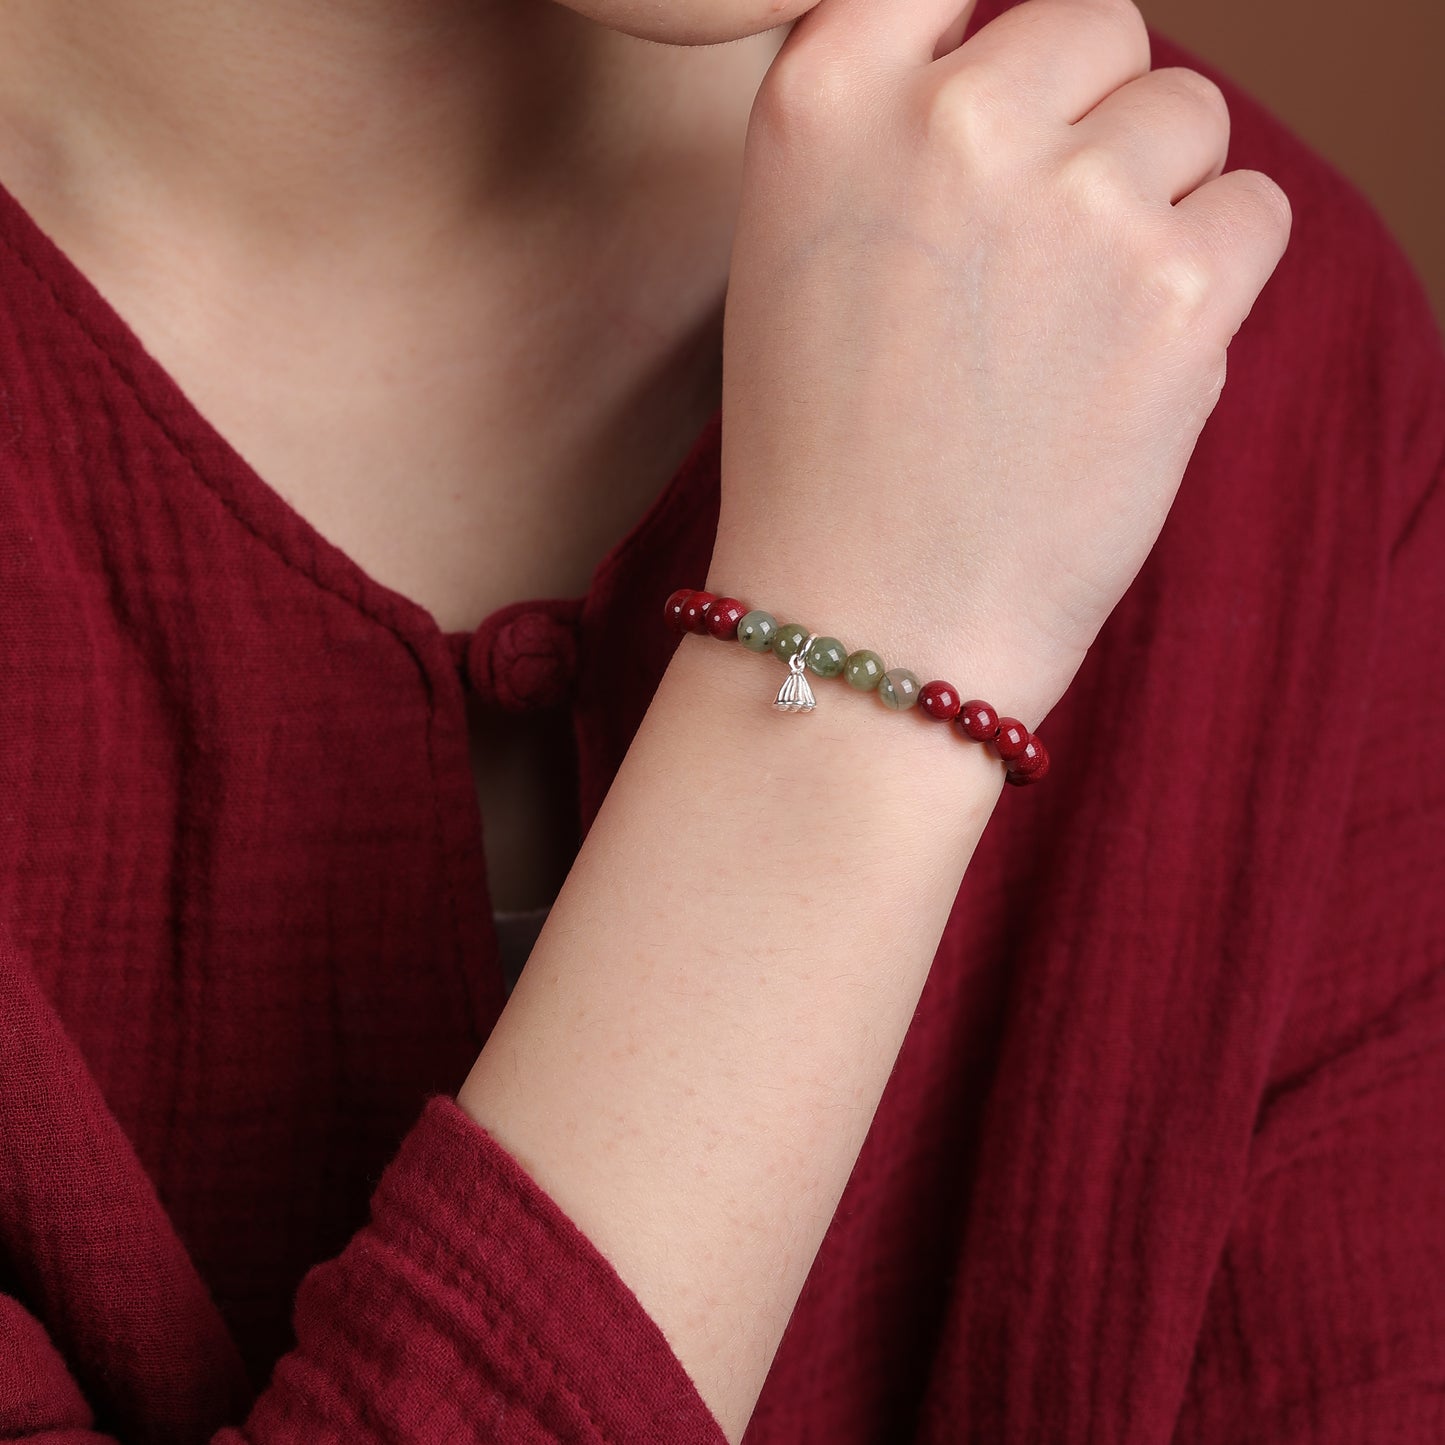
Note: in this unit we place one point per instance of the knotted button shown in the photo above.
(527, 659)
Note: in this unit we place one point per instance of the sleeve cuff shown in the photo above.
(472, 1307)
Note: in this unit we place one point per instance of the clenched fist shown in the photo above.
(980, 301)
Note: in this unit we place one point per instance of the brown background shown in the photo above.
(1363, 81)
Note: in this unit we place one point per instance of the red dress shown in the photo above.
(1162, 1158)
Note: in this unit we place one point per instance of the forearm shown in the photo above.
(696, 1048)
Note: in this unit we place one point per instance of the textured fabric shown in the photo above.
(1162, 1158)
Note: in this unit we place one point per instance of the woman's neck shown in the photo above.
(456, 262)
(378, 123)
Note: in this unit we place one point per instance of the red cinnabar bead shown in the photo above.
(1019, 776)
(692, 618)
(721, 616)
(673, 609)
(1012, 738)
(978, 720)
(940, 700)
(1032, 760)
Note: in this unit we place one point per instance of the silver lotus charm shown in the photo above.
(796, 695)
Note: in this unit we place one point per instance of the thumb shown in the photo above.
(894, 32)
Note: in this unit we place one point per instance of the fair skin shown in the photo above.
(969, 344)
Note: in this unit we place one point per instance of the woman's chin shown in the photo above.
(690, 22)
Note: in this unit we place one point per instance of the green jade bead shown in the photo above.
(788, 639)
(826, 657)
(864, 669)
(899, 689)
(756, 630)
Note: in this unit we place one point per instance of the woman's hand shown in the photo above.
(978, 314)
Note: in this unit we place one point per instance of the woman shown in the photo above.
(349, 355)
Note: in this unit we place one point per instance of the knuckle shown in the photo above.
(964, 117)
(1177, 287)
(801, 96)
(1199, 89)
(1093, 180)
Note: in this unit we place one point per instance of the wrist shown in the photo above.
(976, 652)
(850, 762)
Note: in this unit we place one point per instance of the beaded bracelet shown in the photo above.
(898, 689)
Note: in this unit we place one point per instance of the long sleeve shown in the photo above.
(467, 1308)
(1325, 1324)
(472, 1308)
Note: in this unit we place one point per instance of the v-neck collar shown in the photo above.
(666, 547)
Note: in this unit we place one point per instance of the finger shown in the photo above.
(1238, 225)
(898, 34)
(1057, 58)
(1169, 129)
